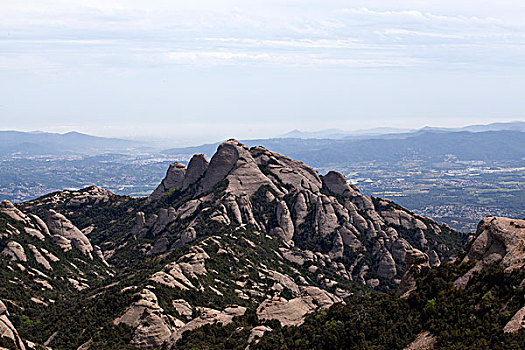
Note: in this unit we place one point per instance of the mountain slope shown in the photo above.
(250, 233)
(423, 145)
(485, 312)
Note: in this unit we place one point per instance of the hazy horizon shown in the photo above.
(165, 140)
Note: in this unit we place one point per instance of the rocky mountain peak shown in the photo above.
(234, 162)
(290, 200)
(196, 168)
(174, 179)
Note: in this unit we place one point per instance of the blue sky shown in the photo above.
(196, 71)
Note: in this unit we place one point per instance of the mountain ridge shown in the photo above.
(248, 235)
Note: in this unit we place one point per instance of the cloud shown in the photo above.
(286, 33)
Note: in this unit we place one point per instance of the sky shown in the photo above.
(200, 71)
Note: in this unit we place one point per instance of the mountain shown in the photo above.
(341, 134)
(43, 143)
(424, 145)
(386, 132)
(508, 126)
(249, 232)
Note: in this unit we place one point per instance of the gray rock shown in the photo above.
(416, 260)
(498, 240)
(152, 327)
(68, 235)
(7, 329)
(174, 179)
(336, 183)
(15, 251)
(292, 312)
(10, 210)
(196, 168)
(387, 266)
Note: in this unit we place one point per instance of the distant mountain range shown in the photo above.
(44, 143)
(423, 145)
(382, 131)
(318, 148)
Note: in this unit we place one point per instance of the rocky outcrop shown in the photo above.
(151, 327)
(196, 168)
(92, 194)
(10, 210)
(7, 329)
(178, 274)
(337, 183)
(498, 240)
(416, 260)
(292, 312)
(68, 235)
(174, 179)
(15, 251)
(516, 323)
(256, 334)
(234, 162)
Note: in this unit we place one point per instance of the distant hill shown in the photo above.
(43, 143)
(425, 145)
(387, 132)
(341, 134)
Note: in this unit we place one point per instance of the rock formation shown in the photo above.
(288, 199)
(68, 235)
(416, 260)
(498, 240)
(7, 329)
(174, 179)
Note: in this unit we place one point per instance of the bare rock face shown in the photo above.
(257, 333)
(183, 308)
(196, 168)
(292, 312)
(387, 266)
(516, 323)
(9, 209)
(68, 235)
(152, 327)
(7, 329)
(174, 179)
(234, 162)
(39, 257)
(90, 194)
(498, 240)
(416, 260)
(15, 251)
